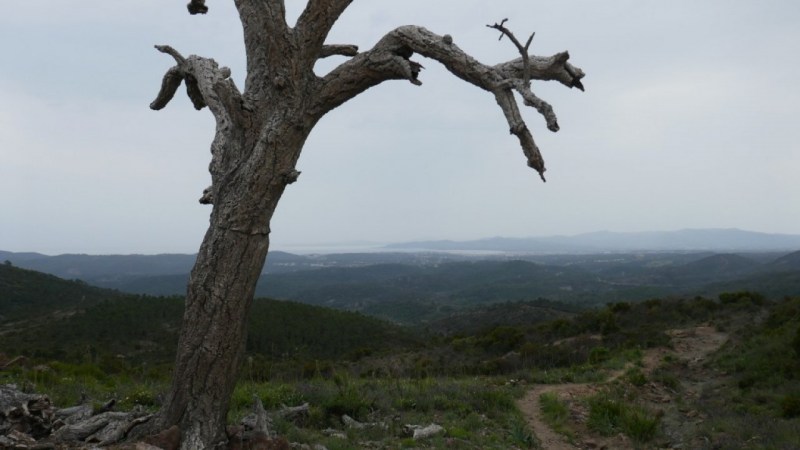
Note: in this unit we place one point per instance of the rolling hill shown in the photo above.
(47, 317)
(718, 240)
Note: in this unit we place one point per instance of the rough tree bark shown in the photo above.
(260, 132)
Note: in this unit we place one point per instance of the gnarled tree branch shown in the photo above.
(523, 49)
(545, 68)
(390, 59)
(206, 85)
(523, 86)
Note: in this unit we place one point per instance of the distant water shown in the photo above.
(373, 248)
(317, 249)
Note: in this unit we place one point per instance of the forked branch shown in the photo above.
(314, 24)
(523, 49)
(390, 59)
(206, 83)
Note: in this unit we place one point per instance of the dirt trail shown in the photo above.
(690, 345)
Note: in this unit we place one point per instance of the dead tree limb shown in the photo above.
(390, 59)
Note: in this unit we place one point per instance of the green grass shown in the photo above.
(476, 412)
(555, 413)
(610, 414)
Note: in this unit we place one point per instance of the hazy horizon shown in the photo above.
(679, 128)
(373, 246)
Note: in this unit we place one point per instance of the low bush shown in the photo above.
(610, 414)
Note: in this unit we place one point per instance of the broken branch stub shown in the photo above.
(197, 7)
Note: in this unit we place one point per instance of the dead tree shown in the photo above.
(260, 132)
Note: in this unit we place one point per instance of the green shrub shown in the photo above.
(790, 405)
(599, 354)
(728, 298)
(555, 412)
(635, 377)
(142, 396)
(458, 433)
(502, 339)
(666, 378)
(796, 342)
(609, 415)
(619, 307)
(522, 436)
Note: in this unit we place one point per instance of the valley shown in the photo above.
(625, 350)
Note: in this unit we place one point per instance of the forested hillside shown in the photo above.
(26, 293)
(46, 317)
(658, 372)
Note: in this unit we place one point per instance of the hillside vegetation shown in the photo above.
(682, 372)
(47, 317)
(418, 288)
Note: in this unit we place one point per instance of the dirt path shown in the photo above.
(691, 346)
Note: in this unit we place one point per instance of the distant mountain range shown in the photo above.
(104, 269)
(412, 288)
(716, 240)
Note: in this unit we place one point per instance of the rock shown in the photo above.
(420, 432)
(334, 433)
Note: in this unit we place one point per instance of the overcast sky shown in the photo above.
(689, 120)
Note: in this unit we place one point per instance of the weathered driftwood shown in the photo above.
(349, 422)
(31, 421)
(74, 414)
(83, 429)
(420, 432)
(30, 414)
(293, 413)
(260, 420)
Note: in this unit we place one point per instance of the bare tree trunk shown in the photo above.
(212, 337)
(222, 285)
(259, 135)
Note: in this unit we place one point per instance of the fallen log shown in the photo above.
(31, 421)
(31, 414)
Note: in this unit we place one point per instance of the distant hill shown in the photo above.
(47, 317)
(99, 267)
(415, 288)
(126, 271)
(718, 240)
(712, 268)
(106, 270)
(787, 262)
(25, 292)
(775, 285)
(383, 289)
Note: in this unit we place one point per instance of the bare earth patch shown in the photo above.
(691, 347)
